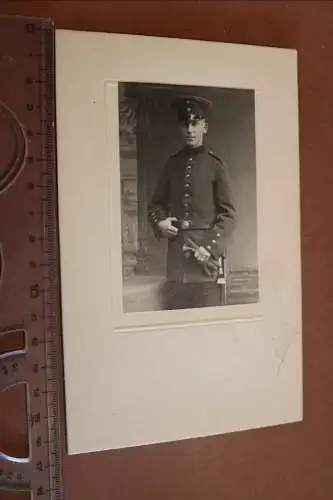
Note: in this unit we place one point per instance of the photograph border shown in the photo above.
(139, 320)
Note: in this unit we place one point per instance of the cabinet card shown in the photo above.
(180, 238)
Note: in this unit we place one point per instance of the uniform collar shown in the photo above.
(194, 151)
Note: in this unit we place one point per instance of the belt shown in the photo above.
(186, 226)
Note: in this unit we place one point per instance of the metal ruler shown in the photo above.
(29, 257)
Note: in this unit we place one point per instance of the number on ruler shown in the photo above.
(34, 291)
(14, 368)
(39, 465)
(34, 419)
(30, 28)
(40, 491)
(35, 368)
(34, 341)
(36, 392)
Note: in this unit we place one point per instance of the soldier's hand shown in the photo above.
(201, 254)
(166, 227)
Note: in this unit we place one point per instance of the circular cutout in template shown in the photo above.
(12, 147)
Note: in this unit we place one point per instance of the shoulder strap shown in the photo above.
(214, 155)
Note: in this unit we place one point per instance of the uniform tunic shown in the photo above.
(194, 187)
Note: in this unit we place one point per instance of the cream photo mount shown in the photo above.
(166, 377)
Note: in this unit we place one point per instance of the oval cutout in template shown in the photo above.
(12, 147)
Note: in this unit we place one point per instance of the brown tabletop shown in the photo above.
(286, 462)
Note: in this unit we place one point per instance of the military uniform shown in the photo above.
(194, 187)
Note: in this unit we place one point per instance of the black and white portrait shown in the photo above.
(188, 196)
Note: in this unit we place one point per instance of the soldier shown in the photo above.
(193, 208)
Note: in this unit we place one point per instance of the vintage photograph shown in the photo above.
(192, 275)
(188, 196)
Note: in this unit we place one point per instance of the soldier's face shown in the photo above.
(193, 131)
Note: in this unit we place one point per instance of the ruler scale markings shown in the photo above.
(40, 365)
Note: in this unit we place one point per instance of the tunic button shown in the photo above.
(209, 247)
(218, 235)
(187, 185)
(214, 241)
(187, 195)
(186, 224)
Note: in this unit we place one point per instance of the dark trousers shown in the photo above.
(191, 295)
